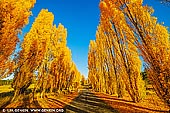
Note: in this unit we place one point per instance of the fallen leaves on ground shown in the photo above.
(151, 104)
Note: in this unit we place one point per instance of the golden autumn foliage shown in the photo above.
(127, 32)
(132, 31)
(46, 58)
(14, 15)
(116, 55)
(108, 69)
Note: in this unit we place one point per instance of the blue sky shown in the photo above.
(81, 18)
(161, 11)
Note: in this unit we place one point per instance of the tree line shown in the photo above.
(127, 34)
(44, 59)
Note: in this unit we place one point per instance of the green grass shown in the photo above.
(8, 88)
(31, 86)
(5, 88)
(6, 93)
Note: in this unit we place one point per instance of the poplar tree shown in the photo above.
(14, 16)
(134, 21)
(45, 57)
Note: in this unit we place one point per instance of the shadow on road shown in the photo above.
(87, 102)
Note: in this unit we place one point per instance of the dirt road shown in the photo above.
(87, 102)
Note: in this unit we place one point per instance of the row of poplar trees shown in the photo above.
(126, 32)
(44, 58)
(14, 16)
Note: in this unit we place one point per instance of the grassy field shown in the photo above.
(6, 94)
(25, 101)
(5, 88)
(8, 88)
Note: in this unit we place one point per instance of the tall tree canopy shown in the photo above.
(14, 16)
(45, 57)
(135, 32)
